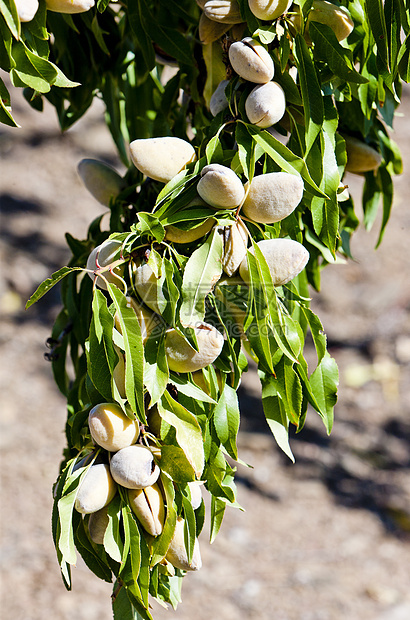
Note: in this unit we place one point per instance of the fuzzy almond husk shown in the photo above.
(69, 6)
(223, 11)
(102, 181)
(251, 61)
(235, 245)
(266, 104)
(271, 197)
(218, 101)
(134, 467)
(285, 259)
(177, 235)
(26, 9)
(361, 157)
(102, 256)
(148, 506)
(336, 17)
(269, 9)
(220, 187)
(110, 428)
(96, 490)
(97, 525)
(161, 158)
(177, 554)
(182, 357)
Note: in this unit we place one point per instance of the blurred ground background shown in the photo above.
(324, 539)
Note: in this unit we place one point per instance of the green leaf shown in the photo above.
(289, 389)
(311, 92)
(325, 213)
(324, 381)
(36, 72)
(186, 387)
(5, 107)
(9, 12)
(188, 431)
(65, 507)
(161, 543)
(134, 352)
(135, 12)
(49, 283)
(375, 17)
(101, 355)
(202, 271)
(387, 185)
(150, 224)
(176, 465)
(156, 373)
(217, 514)
(226, 420)
(339, 59)
(189, 527)
(275, 413)
(169, 40)
(88, 552)
(283, 157)
(113, 543)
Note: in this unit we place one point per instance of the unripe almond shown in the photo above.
(195, 489)
(96, 490)
(273, 196)
(266, 104)
(161, 158)
(134, 467)
(148, 506)
(235, 245)
(111, 428)
(146, 285)
(182, 357)
(177, 235)
(218, 101)
(220, 187)
(177, 554)
(69, 6)
(285, 259)
(223, 11)
(101, 180)
(360, 156)
(269, 9)
(102, 256)
(336, 17)
(97, 525)
(251, 61)
(26, 9)
(209, 30)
